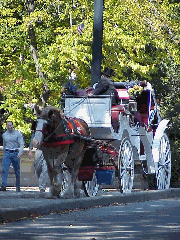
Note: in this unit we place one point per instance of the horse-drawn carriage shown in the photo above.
(120, 137)
(133, 132)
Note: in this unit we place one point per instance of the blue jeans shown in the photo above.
(7, 160)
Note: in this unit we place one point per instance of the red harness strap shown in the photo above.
(65, 138)
(78, 126)
(58, 143)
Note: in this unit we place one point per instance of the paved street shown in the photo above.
(29, 202)
(139, 220)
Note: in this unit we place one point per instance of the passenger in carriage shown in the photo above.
(106, 87)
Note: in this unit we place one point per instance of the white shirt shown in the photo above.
(13, 140)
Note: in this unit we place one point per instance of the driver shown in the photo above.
(106, 86)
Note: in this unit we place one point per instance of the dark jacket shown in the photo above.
(106, 87)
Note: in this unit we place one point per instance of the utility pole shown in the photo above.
(97, 41)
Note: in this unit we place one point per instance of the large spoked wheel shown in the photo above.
(65, 182)
(91, 187)
(62, 180)
(163, 174)
(126, 166)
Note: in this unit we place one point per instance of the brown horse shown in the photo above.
(62, 140)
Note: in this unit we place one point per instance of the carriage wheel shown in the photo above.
(163, 174)
(65, 182)
(91, 187)
(126, 166)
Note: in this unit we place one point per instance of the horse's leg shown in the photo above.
(77, 164)
(50, 173)
(75, 176)
(50, 166)
(73, 161)
(57, 170)
(64, 178)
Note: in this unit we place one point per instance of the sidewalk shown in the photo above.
(30, 203)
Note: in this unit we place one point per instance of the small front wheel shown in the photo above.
(126, 166)
(63, 179)
(91, 187)
(65, 182)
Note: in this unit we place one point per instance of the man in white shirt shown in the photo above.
(13, 145)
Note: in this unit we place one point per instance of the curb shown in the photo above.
(34, 207)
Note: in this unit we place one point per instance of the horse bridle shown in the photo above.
(64, 122)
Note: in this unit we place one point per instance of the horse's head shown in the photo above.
(46, 124)
(40, 132)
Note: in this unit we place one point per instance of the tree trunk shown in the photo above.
(33, 46)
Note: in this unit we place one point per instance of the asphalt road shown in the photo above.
(27, 204)
(158, 219)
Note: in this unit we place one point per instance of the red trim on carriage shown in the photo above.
(86, 173)
(106, 150)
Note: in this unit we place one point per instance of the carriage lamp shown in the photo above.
(132, 106)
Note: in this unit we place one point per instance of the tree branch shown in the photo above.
(33, 45)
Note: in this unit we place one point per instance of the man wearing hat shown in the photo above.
(106, 86)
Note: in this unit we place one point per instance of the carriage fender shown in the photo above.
(157, 137)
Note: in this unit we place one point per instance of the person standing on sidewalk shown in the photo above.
(39, 164)
(13, 145)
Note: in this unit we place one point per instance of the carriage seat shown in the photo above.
(115, 110)
(123, 96)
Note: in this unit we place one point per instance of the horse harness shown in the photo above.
(72, 131)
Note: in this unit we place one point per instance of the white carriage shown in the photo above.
(134, 128)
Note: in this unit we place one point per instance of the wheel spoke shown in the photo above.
(65, 182)
(91, 188)
(167, 170)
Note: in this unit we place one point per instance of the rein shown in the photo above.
(51, 134)
(71, 132)
(39, 131)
